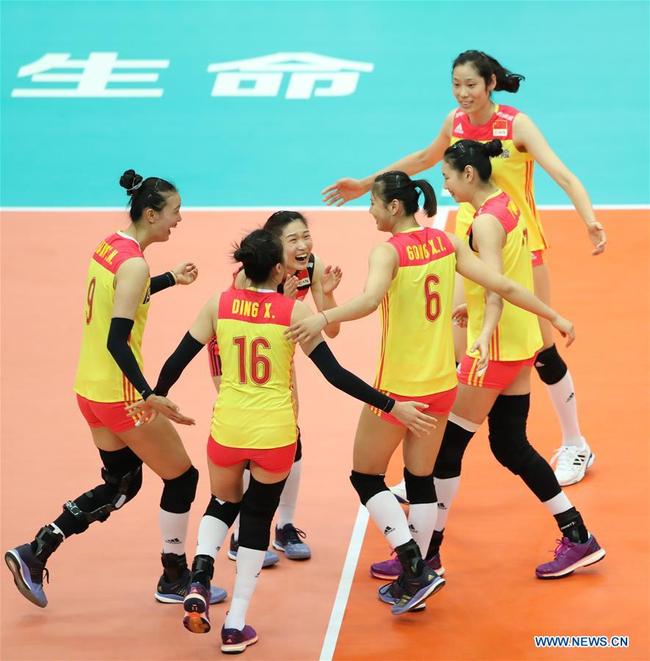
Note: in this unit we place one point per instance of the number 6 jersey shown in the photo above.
(417, 348)
(98, 376)
(255, 407)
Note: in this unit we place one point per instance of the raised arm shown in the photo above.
(326, 280)
(183, 274)
(381, 268)
(529, 138)
(471, 267)
(344, 190)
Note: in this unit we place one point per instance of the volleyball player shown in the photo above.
(254, 422)
(109, 376)
(475, 76)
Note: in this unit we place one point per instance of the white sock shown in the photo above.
(173, 529)
(249, 566)
(289, 497)
(558, 504)
(446, 490)
(422, 520)
(387, 513)
(246, 480)
(564, 402)
(212, 533)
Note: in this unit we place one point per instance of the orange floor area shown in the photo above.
(102, 583)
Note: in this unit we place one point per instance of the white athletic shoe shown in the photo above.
(399, 491)
(571, 463)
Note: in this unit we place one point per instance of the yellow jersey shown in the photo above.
(417, 348)
(255, 405)
(512, 171)
(517, 336)
(99, 377)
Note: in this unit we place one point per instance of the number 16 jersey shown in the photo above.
(417, 348)
(255, 405)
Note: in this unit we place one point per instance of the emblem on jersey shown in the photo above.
(459, 129)
(304, 282)
(500, 128)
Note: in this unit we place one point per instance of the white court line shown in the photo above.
(542, 207)
(345, 583)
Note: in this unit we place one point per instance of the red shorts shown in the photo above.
(439, 403)
(537, 258)
(106, 414)
(274, 460)
(498, 375)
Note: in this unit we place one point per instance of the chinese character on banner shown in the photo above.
(93, 79)
(308, 75)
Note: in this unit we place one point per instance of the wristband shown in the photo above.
(324, 317)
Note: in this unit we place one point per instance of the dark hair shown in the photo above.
(486, 66)
(396, 185)
(476, 154)
(259, 252)
(145, 193)
(280, 219)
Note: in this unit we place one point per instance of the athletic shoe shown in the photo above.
(174, 592)
(416, 590)
(390, 570)
(570, 556)
(197, 618)
(571, 462)
(28, 572)
(399, 491)
(392, 592)
(270, 558)
(287, 539)
(235, 641)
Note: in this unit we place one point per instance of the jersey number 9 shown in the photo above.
(260, 366)
(90, 295)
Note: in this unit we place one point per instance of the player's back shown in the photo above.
(255, 405)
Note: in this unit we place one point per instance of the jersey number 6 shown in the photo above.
(260, 365)
(432, 297)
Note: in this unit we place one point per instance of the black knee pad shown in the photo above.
(507, 431)
(256, 513)
(450, 458)
(550, 366)
(224, 511)
(122, 474)
(367, 486)
(178, 493)
(298, 456)
(419, 489)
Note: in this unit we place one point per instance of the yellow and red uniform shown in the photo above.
(255, 406)
(517, 337)
(417, 350)
(512, 171)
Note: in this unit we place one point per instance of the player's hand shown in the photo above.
(459, 316)
(342, 191)
(185, 273)
(306, 329)
(331, 279)
(159, 405)
(482, 347)
(598, 237)
(411, 415)
(290, 286)
(565, 327)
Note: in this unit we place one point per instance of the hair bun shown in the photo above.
(131, 180)
(493, 148)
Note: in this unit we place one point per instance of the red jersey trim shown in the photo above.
(114, 250)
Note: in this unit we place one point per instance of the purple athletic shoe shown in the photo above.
(389, 570)
(197, 605)
(28, 571)
(392, 592)
(570, 556)
(416, 589)
(235, 641)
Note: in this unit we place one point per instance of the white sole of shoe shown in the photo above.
(590, 559)
(237, 649)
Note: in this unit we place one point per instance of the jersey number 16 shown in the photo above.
(259, 367)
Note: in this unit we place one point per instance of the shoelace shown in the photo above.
(567, 456)
(293, 534)
(563, 545)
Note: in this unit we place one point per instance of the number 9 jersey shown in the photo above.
(417, 348)
(98, 376)
(255, 405)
